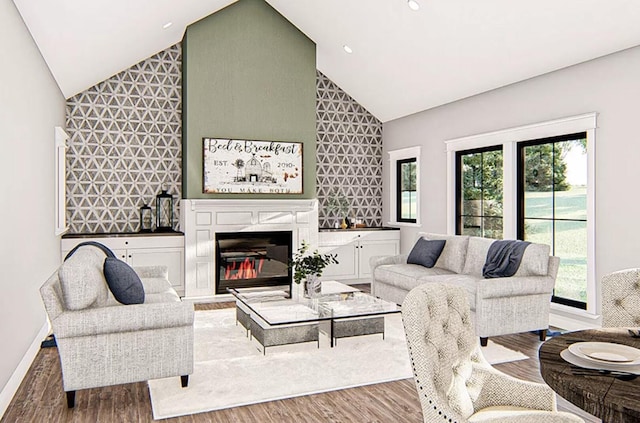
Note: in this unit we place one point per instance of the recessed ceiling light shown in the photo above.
(347, 49)
(413, 4)
(167, 25)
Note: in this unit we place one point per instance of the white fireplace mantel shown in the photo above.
(202, 219)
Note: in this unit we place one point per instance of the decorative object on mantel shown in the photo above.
(309, 267)
(164, 212)
(248, 166)
(338, 203)
(146, 219)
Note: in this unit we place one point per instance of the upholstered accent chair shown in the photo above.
(102, 342)
(621, 299)
(454, 381)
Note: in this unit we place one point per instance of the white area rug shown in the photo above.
(230, 370)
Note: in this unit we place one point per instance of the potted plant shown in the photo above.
(337, 202)
(308, 267)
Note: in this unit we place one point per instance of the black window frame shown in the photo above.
(520, 167)
(459, 182)
(399, 190)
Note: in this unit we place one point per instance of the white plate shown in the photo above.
(587, 363)
(606, 352)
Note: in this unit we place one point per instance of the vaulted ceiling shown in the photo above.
(403, 61)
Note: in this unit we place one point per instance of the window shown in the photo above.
(404, 198)
(548, 195)
(407, 196)
(479, 192)
(552, 207)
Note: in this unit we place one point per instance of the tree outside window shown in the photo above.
(480, 193)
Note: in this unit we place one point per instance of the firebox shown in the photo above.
(252, 259)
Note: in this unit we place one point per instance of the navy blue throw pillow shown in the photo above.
(123, 281)
(426, 252)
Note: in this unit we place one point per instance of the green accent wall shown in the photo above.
(248, 73)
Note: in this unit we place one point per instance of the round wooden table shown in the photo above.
(613, 399)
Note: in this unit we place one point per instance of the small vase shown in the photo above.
(313, 286)
(344, 225)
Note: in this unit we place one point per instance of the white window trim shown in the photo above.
(61, 138)
(509, 138)
(394, 156)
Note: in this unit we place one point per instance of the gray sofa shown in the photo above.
(501, 306)
(102, 342)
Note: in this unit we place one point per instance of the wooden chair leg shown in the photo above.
(71, 399)
(184, 380)
(542, 333)
(483, 341)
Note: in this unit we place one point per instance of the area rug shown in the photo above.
(230, 370)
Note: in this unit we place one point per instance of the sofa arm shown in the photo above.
(123, 318)
(514, 286)
(376, 261)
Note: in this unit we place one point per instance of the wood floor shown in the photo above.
(40, 397)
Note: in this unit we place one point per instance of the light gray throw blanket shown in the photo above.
(503, 258)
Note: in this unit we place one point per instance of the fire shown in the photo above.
(246, 269)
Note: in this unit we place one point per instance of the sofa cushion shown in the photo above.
(476, 255)
(405, 276)
(454, 252)
(426, 252)
(535, 261)
(123, 281)
(81, 279)
(468, 282)
(167, 296)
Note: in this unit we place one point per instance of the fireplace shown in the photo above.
(252, 259)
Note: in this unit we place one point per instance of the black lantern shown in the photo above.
(164, 212)
(146, 219)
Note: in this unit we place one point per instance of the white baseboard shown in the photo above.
(10, 389)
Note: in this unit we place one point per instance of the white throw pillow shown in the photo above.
(81, 279)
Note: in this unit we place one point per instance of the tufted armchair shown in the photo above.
(621, 299)
(454, 381)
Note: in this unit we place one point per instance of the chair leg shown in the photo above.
(483, 341)
(542, 333)
(184, 380)
(71, 399)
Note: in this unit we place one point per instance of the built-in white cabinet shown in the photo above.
(142, 250)
(354, 248)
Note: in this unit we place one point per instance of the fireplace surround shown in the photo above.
(203, 220)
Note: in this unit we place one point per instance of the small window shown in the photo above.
(404, 195)
(407, 196)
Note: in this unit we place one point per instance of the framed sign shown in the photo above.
(248, 166)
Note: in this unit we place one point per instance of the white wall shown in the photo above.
(31, 105)
(609, 86)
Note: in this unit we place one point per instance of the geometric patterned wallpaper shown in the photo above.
(125, 145)
(348, 155)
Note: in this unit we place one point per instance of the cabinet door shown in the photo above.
(368, 249)
(121, 255)
(347, 263)
(173, 258)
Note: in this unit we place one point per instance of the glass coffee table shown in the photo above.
(340, 311)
